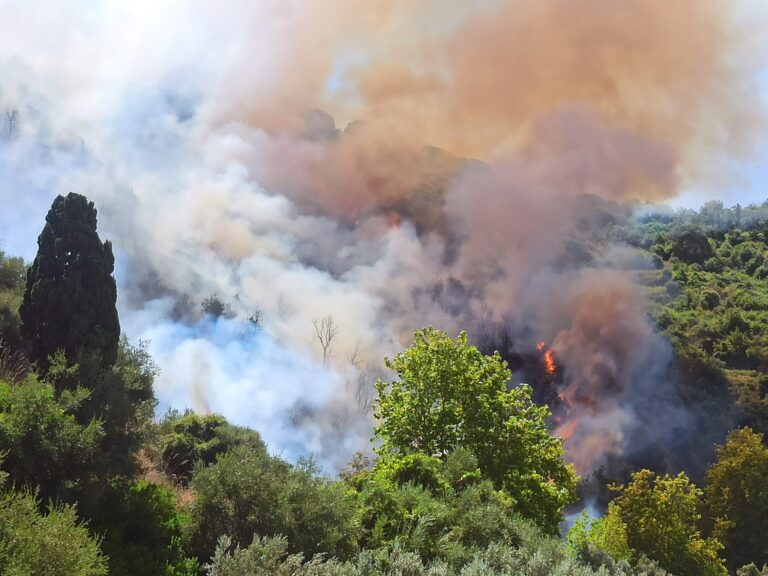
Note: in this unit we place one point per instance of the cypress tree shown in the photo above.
(70, 298)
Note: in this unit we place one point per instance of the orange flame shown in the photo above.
(549, 362)
(540, 346)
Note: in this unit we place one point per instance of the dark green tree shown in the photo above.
(692, 246)
(69, 301)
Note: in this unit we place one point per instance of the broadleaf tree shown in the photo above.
(449, 395)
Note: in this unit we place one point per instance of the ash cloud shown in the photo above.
(392, 165)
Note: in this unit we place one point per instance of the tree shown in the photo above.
(69, 301)
(449, 395)
(692, 246)
(608, 534)
(143, 530)
(46, 448)
(191, 440)
(248, 492)
(52, 544)
(119, 396)
(13, 272)
(661, 517)
(326, 330)
(736, 498)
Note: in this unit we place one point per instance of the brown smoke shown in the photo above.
(659, 78)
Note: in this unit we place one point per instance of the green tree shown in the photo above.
(441, 510)
(608, 534)
(12, 274)
(144, 531)
(45, 447)
(189, 439)
(51, 544)
(248, 492)
(449, 395)
(692, 246)
(736, 498)
(119, 396)
(661, 517)
(69, 301)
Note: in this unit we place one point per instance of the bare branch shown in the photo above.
(326, 330)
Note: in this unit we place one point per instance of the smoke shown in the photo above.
(390, 165)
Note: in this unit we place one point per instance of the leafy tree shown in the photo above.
(51, 544)
(440, 510)
(248, 492)
(46, 448)
(736, 498)
(13, 271)
(608, 533)
(661, 517)
(144, 532)
(190, 439)
(12, 274)
(449, 395)
(120, 396)
(69, 301)
(692, 246)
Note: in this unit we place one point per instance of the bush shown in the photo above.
(247, 492)
(188, 440)
(143, 530)
(51, 544)
(46, 448)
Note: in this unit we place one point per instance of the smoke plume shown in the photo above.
(387, 165)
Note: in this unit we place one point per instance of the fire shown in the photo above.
(549, 362)
(566, 430)
(549, 358)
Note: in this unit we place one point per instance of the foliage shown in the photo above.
(69, 301)
(752, 570)
(661, 517)
(45, 446)
(692, 246)
(13, 273)
(440, 510)
(248, 492)
(50, 544)
(448, 395)
(120, 396)
(537, 555)
(608, 534)
(143, 530)
(736, 503)
(189, 439)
